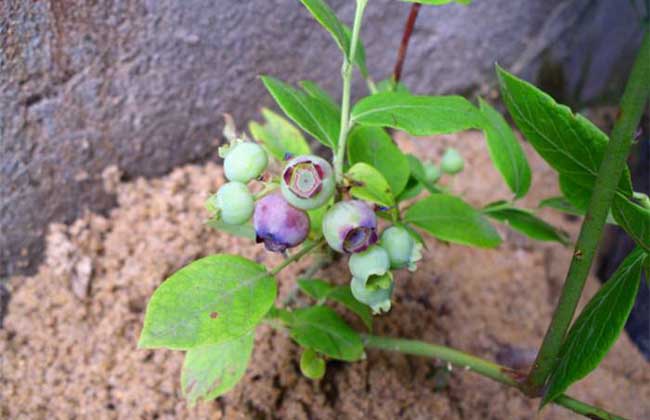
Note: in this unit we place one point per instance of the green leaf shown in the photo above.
(213, 299)
(561, 204)
(413, 189)
(340, 32)
(312, 114)
(578, 197)
(321, 290)
(211, 370)
(451, 219)
(321, 329)
(389, 85)
(634, 219)
(311, 365)
(598, 326)
(279, 136)
(417, 115)
(315, 288)
(317, 92)
(343, 295)
(417, 172)
(243, 231)
(527, 223)
(369, 184)
(505, 151)
(570, 143)
(316, 220)
(375, 147)
(438, 2)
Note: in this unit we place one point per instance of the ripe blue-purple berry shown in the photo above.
(307, 182)
(350, 226)
(278, 224)
(245, 161)
(403, 250)
(452, 162)
(234, 203)
(372, 282)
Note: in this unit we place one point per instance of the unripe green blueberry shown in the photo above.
(245, 161)
(402, 249)
(312, 365)
(372, 261)
(307, 182)
(372, 282)
(234, 202)
(452, 162)
(350, 226)
(431, 172)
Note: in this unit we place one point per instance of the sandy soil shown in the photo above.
(67, 349)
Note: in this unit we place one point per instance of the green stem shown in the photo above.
(634, 98)
(346, 75)
(295, 257)
(483, 367)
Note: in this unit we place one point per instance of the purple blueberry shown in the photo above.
(350, 226)
(278, 224)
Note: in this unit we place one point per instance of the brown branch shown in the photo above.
(408, 30)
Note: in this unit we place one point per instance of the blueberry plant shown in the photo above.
(297, 203)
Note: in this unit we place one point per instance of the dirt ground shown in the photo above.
(67, 349)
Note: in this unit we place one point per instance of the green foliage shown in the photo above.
(375, 147)
(570, 143)
(505, 151)
(418, 173)
(561, 204)
(211, 370)
(526, 222)
(634, 219)
(211, 300)
(316, 91)
(449, 218)
(311, 365)
(341, 33)
(279, 136)
(321, 329)
(369, 184)
(312, 114)
(598, 326)
(417, 115)
(321, 290)
(243, 231)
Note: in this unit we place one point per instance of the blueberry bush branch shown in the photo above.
(346, 76)
(483, 367)
(631, 108)
(371, 204)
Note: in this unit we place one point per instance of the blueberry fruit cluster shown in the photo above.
(281, 221)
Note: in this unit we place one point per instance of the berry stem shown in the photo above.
(483, 367)
(632, 104)
(346, 75)
(408, 30)
(295, 257)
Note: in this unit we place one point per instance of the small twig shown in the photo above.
(406, 36)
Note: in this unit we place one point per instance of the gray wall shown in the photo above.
(142, 84)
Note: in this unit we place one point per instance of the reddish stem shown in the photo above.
(408, 30)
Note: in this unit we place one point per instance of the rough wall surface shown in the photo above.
(141, 83)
